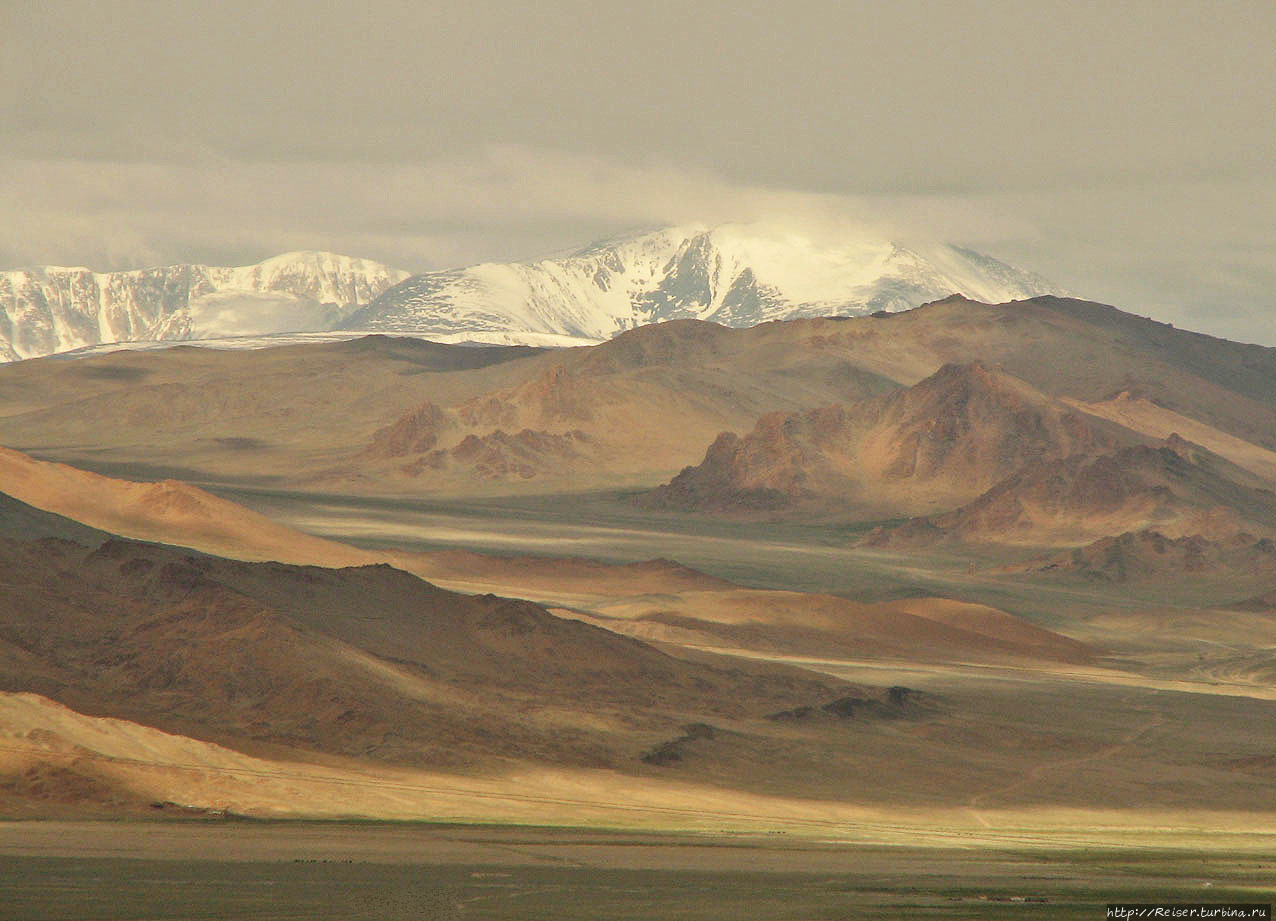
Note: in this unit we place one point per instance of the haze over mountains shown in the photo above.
(737, 275)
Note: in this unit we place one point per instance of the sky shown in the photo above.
(1125, 150)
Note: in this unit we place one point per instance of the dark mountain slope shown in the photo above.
(368, 661)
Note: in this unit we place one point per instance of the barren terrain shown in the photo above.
(941, 593)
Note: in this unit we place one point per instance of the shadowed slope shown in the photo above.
(368, 661)
(21, 521)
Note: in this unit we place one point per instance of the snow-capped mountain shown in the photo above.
(54, 309)
(737, 275)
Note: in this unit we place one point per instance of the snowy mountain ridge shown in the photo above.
(51, 309)
(733, 274)
(736, 275)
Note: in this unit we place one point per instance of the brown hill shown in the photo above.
(940, 442)
(354, 415)
(368, 661)
(374, 415)
(580, 579)
(416, 432)
(1078, 349)
(622, 409)
(1148, 554)
(1176, 489)
(168, 512)
(827, 626)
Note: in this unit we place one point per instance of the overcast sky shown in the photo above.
(1125, 150)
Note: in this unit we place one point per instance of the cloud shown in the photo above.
(505, 202)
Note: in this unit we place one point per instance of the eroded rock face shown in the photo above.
(413, 433)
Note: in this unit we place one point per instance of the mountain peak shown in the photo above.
(731, 274)
(954, 298)
(958, 387)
